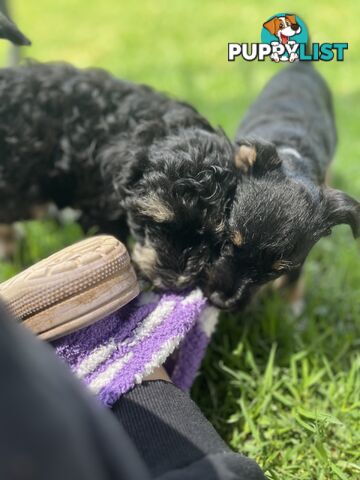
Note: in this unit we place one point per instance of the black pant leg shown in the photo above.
(175, 439)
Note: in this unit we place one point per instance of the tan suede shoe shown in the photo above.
(72, 288)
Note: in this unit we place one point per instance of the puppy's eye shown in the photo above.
(281, 25)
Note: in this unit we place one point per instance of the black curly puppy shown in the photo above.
(125, 154)
(121, 153)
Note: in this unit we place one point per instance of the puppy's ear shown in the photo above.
(10, 31)
(272, 25)
(341, 208)
(256, 158)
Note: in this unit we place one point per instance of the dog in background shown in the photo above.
(202, 210)
(282, 205)
(9, 234)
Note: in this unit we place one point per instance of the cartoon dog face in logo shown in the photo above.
(283, 27)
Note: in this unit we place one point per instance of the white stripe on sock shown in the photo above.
(193, 296)
(159, 315)
(143, 330)
(108, 375)
(97, 356)
(147, 326)
(100, 354)
(159, 357)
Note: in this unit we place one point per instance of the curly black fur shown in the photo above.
(121, 153)
(126, 155)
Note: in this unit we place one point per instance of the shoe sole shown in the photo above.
(72, 288)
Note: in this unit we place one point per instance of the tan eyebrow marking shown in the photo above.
(153, 207)
(237, 238)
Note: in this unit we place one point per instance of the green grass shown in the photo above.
(281, 389)
(287, 390)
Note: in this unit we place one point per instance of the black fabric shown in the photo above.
(218, 466)
(51, 428)
(171, 434)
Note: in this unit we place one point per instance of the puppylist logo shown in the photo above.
(284, 38)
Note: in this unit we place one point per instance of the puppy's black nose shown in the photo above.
(295, 26)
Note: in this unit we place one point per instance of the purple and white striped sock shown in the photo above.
(115, 353)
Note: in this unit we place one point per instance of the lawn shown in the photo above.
(281, 389)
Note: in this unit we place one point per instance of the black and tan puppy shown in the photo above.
(282, 206)
(202, 210)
